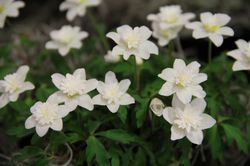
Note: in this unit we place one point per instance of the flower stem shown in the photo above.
(209, 51)
(179, 48)
(137, 76)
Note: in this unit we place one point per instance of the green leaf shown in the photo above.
(73, 138)
(214, 142)
(122, 114)
(233, 132)
(96, 149)
(141, 110)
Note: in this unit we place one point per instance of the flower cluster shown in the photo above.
(168, 23)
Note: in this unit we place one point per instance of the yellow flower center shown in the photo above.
(181, 81)
(211, 28)
(171, 19)
(165, 34)
(82, 1)
(12, 84)
(131, 41)
(2, 8)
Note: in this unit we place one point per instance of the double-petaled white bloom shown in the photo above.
(168, 23)
(242, 55)
(13, 85)
(111, 58)
(157, 106)
(211, 26)
(73, 89)
(188, 119)
(183, 80)
(9, 8)
(46, 115)
(133, 42)
(113, 93)
(77, 7)
(66, 38)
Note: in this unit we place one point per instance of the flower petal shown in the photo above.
(168, 74)
(195, 137)
(86, 102)
(177, 133)
(179, 65)
(110, 77)
(198, 105)
(57, 125)
(57, 79)
(90, 85)
(113, 107)
(207, 121)
(126, 99)
(98, 100)
(167, 89)
(41, 130)
(169, 114)
(216, 39)
(4, 100)
(80, 73)
(124, 85)
(227, 31)
(184, 95)
(30, 122)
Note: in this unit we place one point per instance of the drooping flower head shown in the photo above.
(113, 93)
(77, 7)
(157, 106)
(66, 38)
(242, 55)
(13, 85)
(133, 41)
(46, 115)
(212, 26)
(73, 89)
(188, 120)
(9, 8)
(183, 80)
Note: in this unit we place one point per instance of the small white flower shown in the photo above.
(171, 17)
(13, 85)
(77, 7)
(188, 120)
(133, 42)
(157, 106)
(73, 89)
(113, 93)
(211, 26)
(242, 55)
(9, 8)
(183, 80)
(112, 58)
(66, 38)
(46, 115)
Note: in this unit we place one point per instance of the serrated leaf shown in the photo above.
(122, 114)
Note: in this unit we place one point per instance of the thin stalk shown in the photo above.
(179, 48)
(209, 51)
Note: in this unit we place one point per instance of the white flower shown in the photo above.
(171, 17)
(211, 26)
(112, 58)
(9, 8)
(113, 93)
(77, 7)
(242, 55)
(133, 42)
(73, 89)
(66, 38)
(183, 80)
(188, 120)
(46, 115)
(13, 85)
(157, 106)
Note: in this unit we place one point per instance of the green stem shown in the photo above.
(179, 48)
(209, 51)
(137, 76)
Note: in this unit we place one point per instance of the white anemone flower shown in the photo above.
(133, 41)
(242, 55)
(188, 120)
(73, 89)
(77, 7)
(183, 80)
(111, 58)
(212, 26)
(9, 8)
(13, 85)
(66, 38)
(171, 17)
(46, 115)
(113, 93)
(157, 106)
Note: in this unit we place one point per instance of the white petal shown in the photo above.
(71, 14)
(177, 133)
(199, 105)
(57, 79)
(86, 102)
(222, 19)
(42, 130)
(28, 86)
(13, 97)
(168, 74)
(199, 78)
(145, 33)
(80, 73)
(126, 99)
(72, 104)
(98, 100)
(226, 31)
(114, 36)
(176, 103)
(197, 91)
(110, 77)
(57, 125)
(193, 67)
(124, 85)
(184, 95)
(118, 50)
(64, 50)
(124, 29)
(205, 16)
(169, 114)
(113, 107)
(167, 89)
(30, 122)
(195, 137)
(194, 25)
(199, 34)
(57, 97)
(150, 48)
(4, 100)
(207, 121)
(179, 65)
(51, 45)
(216, 39)
(64, 110)
(241, 44)
(90, 85)
(22, 71)
(33, 108)
(239, 65)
